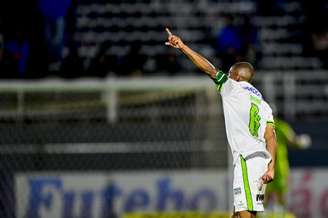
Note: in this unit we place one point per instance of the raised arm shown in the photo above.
(201, 62)
(271, 143)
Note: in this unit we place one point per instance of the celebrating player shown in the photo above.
(249, 126)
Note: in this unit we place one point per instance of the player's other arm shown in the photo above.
(302, 141)
(201, 62)
(270, 138)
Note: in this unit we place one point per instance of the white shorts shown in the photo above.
(248, 191)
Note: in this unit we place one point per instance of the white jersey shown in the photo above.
(246, 115)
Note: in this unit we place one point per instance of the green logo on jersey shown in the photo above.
(254, 120)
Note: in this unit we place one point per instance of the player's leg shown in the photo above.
(247, 214)
(235, 215)
(281, 199)
(280, 208)
(271, 191)
(279, 187)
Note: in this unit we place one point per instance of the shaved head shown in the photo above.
(242, 71)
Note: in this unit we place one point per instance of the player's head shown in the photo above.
(242, 71)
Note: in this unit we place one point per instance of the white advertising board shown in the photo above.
(100, 195)
(96, 195)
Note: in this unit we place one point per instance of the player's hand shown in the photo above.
(304, 141)
(268, 176)
(173, 40)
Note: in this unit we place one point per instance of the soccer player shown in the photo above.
(278, 188)
(249, 126)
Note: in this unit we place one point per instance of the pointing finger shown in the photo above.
(170, 44)
(168, 31)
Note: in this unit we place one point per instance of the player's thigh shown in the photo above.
(248, 193)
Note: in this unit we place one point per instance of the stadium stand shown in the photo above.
(280, 36)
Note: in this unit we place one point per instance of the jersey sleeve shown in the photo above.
(269, 115)
(223, 84)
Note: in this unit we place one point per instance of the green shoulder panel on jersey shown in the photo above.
(220, 79)
(255, 99)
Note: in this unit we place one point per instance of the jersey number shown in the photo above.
(254, 120)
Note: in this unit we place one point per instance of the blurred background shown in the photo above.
(99, 118)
